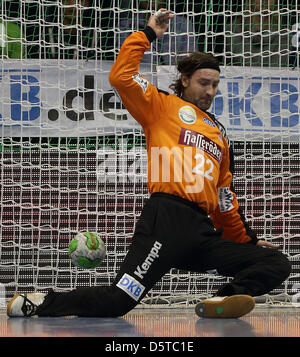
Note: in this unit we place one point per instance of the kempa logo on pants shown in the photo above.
(142, 270)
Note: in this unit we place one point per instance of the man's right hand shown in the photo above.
(159, 21)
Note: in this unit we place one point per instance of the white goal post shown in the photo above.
(73, 159)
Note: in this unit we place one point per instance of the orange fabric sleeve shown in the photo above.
(142, 100)
(226, 216)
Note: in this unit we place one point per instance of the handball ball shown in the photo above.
(87, 250)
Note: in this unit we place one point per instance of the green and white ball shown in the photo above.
(87, 250)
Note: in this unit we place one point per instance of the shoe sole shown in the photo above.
(8, 309)
(231, 307)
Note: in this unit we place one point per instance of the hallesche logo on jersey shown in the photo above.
(200, 141)
(187, 114)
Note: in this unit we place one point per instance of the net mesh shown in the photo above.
(55, 183)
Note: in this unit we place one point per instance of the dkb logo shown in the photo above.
(25, 100)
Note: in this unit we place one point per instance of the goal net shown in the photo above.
(73, 159)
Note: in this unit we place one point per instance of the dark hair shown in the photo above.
(190, 64)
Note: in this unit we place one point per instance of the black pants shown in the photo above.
(173, 233)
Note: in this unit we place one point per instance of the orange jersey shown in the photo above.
(188, 155)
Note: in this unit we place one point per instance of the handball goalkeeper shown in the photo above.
(192, 219)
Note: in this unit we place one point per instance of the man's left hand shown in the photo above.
(159, 21)
(263, 243)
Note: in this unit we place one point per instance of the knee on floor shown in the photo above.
(282, 264)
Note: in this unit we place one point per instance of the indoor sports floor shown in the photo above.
(261, 322)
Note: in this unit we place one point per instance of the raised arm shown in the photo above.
(139, 96)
